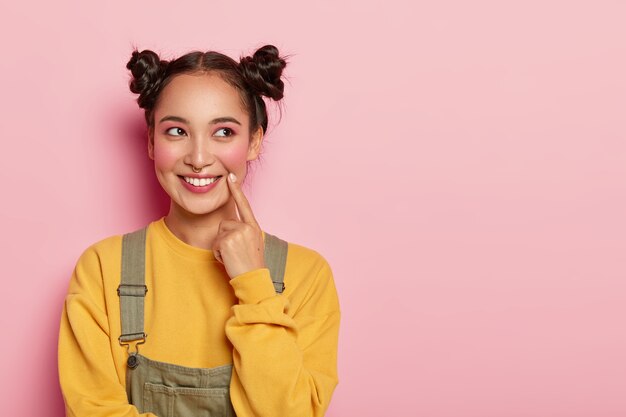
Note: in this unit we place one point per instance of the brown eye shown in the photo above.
(224, 132)
(175, 131)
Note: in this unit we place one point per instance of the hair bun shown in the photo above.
(263, 70)
(147, 71)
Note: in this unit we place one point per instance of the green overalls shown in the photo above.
(165, 389)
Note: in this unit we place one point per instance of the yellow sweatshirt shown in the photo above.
(283, 347)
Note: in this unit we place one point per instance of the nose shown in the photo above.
(200, 153)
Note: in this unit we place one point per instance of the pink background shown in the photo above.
(461, 164)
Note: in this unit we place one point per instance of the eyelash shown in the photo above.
(178, 129)
(228, 132)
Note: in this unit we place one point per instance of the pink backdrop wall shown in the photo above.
(460, 164)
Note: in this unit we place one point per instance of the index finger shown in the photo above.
(243, 206)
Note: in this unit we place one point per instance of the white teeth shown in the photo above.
(200, 182)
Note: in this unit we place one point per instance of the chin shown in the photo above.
(200, 208)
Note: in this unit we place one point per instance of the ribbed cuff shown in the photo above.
(253, 286)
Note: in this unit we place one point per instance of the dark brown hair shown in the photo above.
(253, 76)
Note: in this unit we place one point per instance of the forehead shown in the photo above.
(200, 97)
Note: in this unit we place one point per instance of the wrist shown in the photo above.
(253, 286)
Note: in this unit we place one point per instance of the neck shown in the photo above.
(198, 230)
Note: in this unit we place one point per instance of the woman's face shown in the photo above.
(199, 123)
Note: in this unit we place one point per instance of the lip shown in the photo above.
(199, 190)
(194, 175)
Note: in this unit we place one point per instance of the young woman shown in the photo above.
(201, 313)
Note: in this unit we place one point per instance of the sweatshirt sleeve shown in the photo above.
(284, 355)
(90, 384)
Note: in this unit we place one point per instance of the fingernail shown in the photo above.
(232, 177)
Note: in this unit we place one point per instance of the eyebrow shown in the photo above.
(225, 119)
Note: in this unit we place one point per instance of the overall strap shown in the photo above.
(132, 290)
(275, 260)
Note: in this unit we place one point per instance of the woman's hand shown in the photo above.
(239, 244)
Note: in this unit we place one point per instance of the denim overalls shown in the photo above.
(165, 389)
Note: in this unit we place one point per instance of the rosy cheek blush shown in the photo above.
(234, 157)
(164, 156)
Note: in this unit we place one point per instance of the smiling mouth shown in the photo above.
(200, 182)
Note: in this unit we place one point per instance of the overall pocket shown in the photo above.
(167, 401)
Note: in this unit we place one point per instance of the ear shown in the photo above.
(255, 144)
(151, 143)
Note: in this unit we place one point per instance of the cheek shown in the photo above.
(234, 157)
(164, 156)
